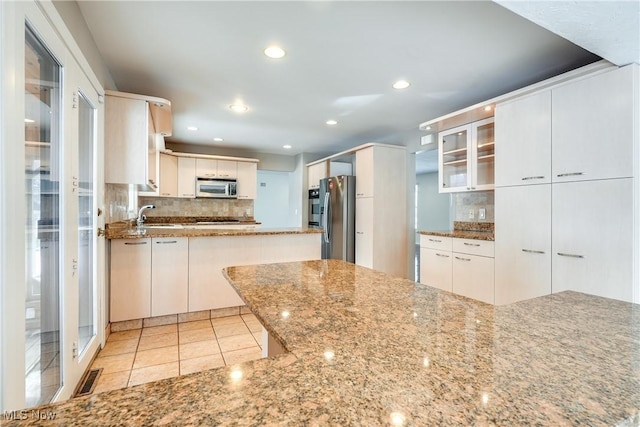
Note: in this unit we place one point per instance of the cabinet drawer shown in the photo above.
(473, 277)
(435, 242)
(473, 247)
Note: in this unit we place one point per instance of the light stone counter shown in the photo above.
(370, 349)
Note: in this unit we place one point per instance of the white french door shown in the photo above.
(81, 310)
(50, 188)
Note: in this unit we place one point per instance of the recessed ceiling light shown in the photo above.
(428, 128)
(286, 146)
(192, 128)
(218, 139)
(239, 108)
(29, 121)
(331, 122)
(401, 84)
(274, 52)
(487, 108)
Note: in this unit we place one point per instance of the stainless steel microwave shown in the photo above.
(216, 188)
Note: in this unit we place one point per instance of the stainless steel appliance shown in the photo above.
(338, 217)
(216, 188)
(314, 208)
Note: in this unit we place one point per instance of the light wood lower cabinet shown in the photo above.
(169, 275)
(461, 266)
(209, 289)
(161, 276)
(130, 273)
(435, 262)
(473, 276)
(523, 243)
(592, 238)
(364, 231)
(436, 269)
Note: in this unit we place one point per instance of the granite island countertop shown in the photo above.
(465, 230)
(367, 348)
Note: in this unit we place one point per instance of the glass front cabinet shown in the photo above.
(466, 157)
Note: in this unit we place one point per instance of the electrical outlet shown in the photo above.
(482, 213)
(471, 214)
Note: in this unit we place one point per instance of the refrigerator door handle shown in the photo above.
(325, 220)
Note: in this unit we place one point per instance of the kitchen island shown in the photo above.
(366, 348)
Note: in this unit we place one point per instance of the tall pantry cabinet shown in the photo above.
(565, 184)
(381, 212)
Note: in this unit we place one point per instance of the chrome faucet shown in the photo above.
(141, 216)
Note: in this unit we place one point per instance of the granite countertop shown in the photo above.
(465, 230)
(127, 229)
(367, 348)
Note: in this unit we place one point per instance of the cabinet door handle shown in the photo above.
(166, 242)
(527, 178)
(135, 243)
(442, 255)
(531, 251)
(463, 259)
(435, 240)
(471, 244)
(570, 255)
(570, 174)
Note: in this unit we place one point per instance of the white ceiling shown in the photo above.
(342, 58)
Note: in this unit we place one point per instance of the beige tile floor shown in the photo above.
(154, 353)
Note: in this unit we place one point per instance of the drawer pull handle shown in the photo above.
(463, 259)
(527, 178)
(531, 251)
(435, 240)
(166, 242)
(442, 255)
(135, 243)
(570, 174)
(471, 244)
(570, 255)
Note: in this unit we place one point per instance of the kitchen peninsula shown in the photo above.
(366, 348)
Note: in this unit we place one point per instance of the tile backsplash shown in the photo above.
(464, 203)
(173, 206)
(119, 203)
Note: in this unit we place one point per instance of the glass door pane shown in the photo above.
(42, 233)
(455, 158)
(485, 143)
(86, 224)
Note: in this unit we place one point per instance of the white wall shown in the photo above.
(434, 209)
(272, 206)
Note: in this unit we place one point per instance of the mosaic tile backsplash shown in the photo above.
(172, 206)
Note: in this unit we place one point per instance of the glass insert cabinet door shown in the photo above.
(466, 155)
(42, 122)
(455, 159)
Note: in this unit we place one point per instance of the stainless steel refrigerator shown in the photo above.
(338, 217)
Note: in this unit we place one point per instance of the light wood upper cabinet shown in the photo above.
(593, 126)
(131, 139)
(206, 168)
(247, 173)
(227, 169)
(129, 143)
(523, 141)
(187, 177)
(168, 175)
(315, 173)
(365, 172)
